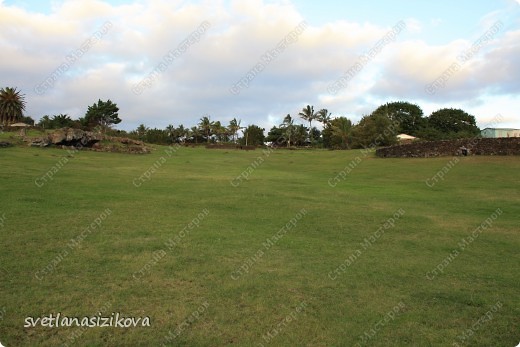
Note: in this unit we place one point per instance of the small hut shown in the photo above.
(23, 126)
(404, 138)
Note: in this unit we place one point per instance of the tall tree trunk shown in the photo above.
(310, 131)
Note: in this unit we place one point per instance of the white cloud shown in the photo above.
(197, 83)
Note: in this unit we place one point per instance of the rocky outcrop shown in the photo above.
(80, 139)
(472, 146)
(68, 137)
(74, 137)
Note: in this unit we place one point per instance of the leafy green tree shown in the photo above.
(308, 114)
(431, 134)
(253, 136)
(453, 123)
(62, 121)
(27, 120)
(57, 122)
(374, 131)
(340, 132)
(409, 116)
(157, 136)
(326, 134)
(276, 136)
(102, 113)
(300, 135)
(316, 135)
(12, 105)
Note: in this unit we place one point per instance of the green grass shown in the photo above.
(13, 136)
(38, 223)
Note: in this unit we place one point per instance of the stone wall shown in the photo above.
(229, 146)
(472, 146)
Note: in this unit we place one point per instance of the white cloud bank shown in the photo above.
(198, 82)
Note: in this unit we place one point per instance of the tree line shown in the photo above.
(382, 125)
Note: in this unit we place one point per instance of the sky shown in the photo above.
(173, 62)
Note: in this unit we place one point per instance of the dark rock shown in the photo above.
(39, 142)
(74, 137)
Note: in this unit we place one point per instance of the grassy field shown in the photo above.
(289, 257)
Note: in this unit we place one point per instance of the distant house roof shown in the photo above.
(19, 125)
(405, 137)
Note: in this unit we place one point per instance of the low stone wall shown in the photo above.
(472, 146)
(230, 146)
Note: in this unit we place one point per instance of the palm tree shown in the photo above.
(219, 130)
(171, 131)
(225, 133)
(234, 127)
(324, 117)
(45, 122)
(195, 133)
(182, 133)
(308, 114)
(288, 126)
(141, 131)
(205, 126)
(12, 105)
